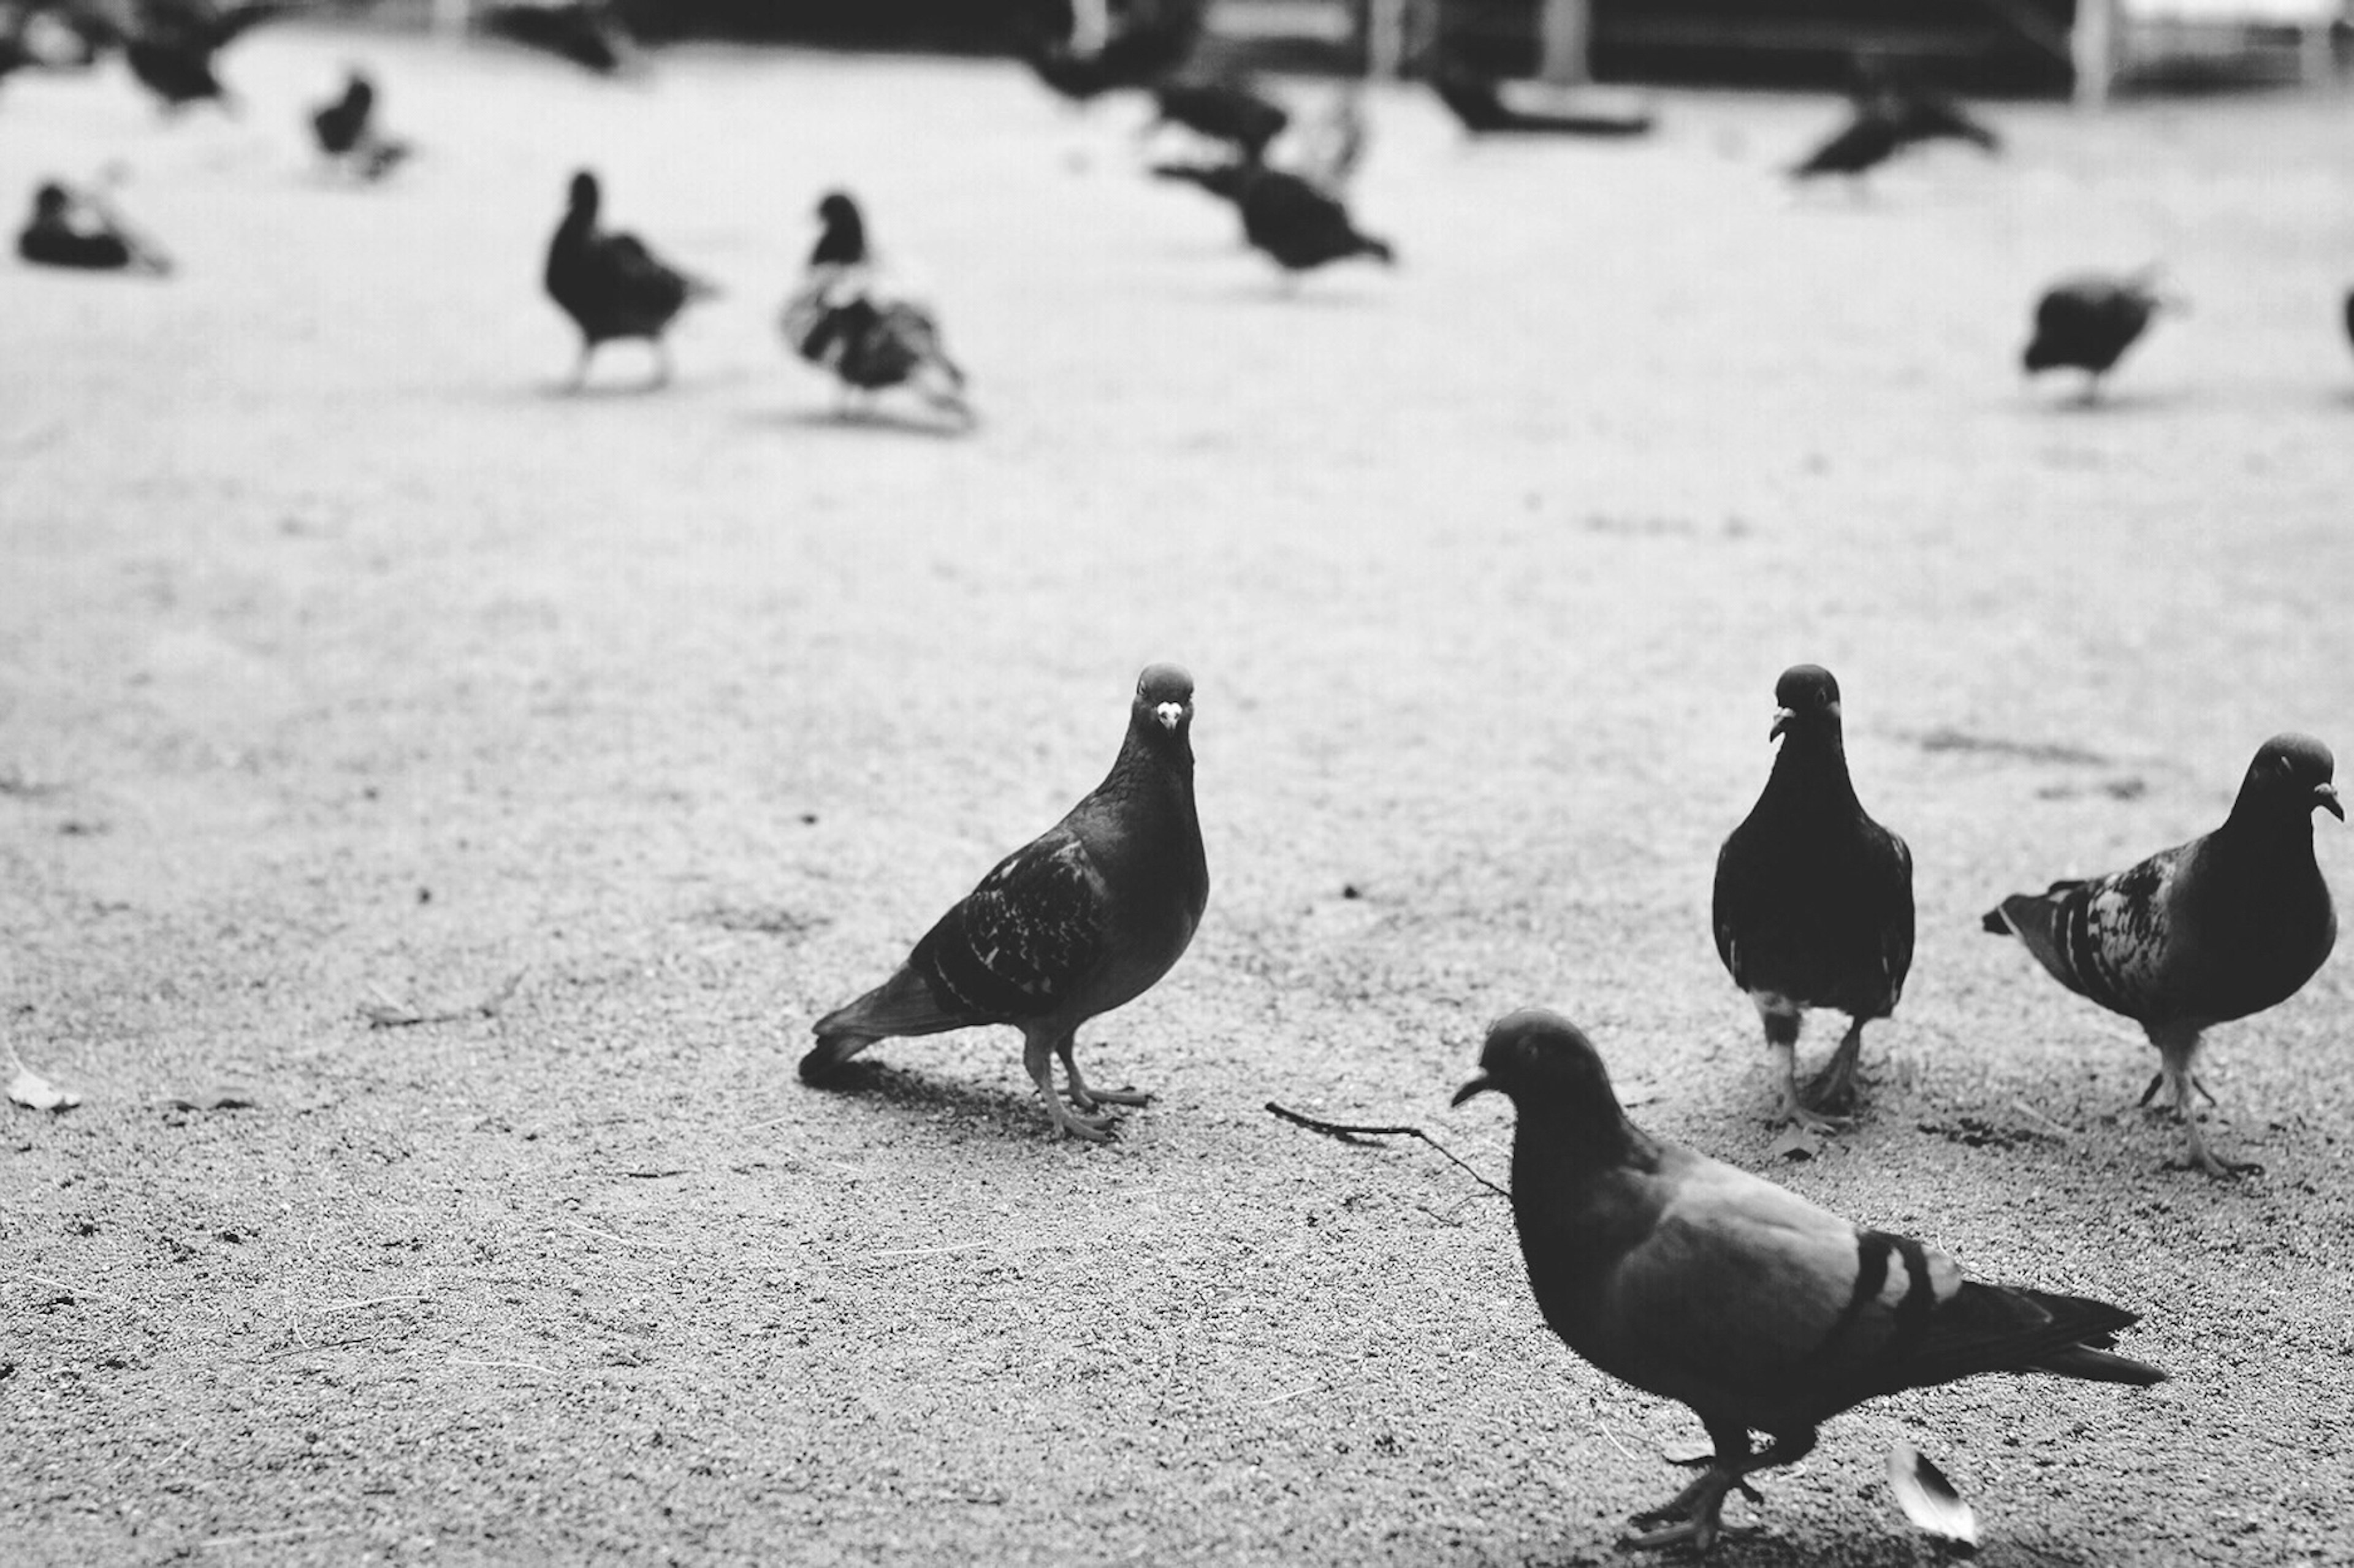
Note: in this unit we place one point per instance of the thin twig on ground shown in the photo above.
(1348, 1134)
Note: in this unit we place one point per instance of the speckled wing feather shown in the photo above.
(1022, 943)
(2108, 938)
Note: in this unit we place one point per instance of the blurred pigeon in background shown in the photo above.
(1228, 113)
(1299, 227)
(171, 46)
(80, 229)
(2229, 924)
(588, 33)
(1084, 918)
(1149, 40)
(1699, 1282)
(841, 320)
(346, 131)
(2087, 323)
(1889, 112)
(1813, 903)
(611, 285)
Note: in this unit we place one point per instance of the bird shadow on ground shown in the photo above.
(870, 421)
(1016, 1115)
(1275, 296)
(2109, 402)
(1752, 1545)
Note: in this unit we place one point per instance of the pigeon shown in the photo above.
(1084, 918)
(1696, 1281)
(1813, 900)
(346, 134)
(79, 230)
(1889, 113)
(172, 47)
(2228, 924)
(871, 341)
(611, 285)
(588, 33)
(1223, 112)
(2087, 323)
(1870, 138)
(1919, 112)
(1301, 227)
(1153, 41)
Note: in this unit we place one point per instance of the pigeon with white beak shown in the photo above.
(1813, 903)
(1083, 918)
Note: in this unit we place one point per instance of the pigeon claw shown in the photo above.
(1797, 1113)
(1093, 1129)
(1693, 1516)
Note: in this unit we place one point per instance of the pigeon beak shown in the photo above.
(1479, 1086)
(1782, 718)
(2326, 797)
(1170, 714)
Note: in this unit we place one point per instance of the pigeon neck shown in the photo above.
(1152, 760)
(1812, 767)
(1557, 1140)
(2268, 827)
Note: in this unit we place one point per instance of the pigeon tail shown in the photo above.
(902, 1005)
(2090, 1365)
(2041, 922)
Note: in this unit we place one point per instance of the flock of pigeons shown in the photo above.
(1680, 1274)
(1287, 182)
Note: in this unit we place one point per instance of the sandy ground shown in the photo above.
(343, 667)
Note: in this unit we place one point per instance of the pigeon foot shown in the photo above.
(1834, 1088)
(2200, 1158)
(1092, 1129)
(1696, 1511)
(1796, 1114)
(1086, 1098)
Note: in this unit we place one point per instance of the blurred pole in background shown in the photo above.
(2092, 46)
(1565, 31)
(1384, 38)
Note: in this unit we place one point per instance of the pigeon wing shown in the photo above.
(2107, 938)
(639, 283)
(1746, 1298)
(1024, 944)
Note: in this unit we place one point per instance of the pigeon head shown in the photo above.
(357, 88)
(51, 201)
(844, 243)
(1164, 700)
(2291, 774)
(584, 196)
(1806, 697)
(1548, 1068)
